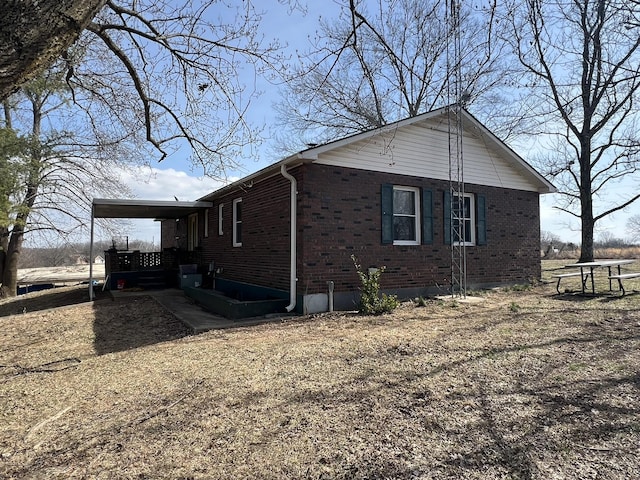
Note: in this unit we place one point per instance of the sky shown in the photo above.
(175, 177)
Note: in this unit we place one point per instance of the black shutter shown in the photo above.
(427, 216)
(447, 217)
(387, 213)
(481, 219)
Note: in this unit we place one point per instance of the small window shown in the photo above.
(206, 222)
(192, 232)
(237, 222)
(406, 216)
(463, 228)
(220, 211)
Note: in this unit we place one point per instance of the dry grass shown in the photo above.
(610, 252)
(522, 385)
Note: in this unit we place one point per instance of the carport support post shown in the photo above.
(91, 258)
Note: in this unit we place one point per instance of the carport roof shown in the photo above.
(116, 208)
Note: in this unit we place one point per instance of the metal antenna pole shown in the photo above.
(456, 159)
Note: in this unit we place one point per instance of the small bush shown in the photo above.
(371, 302)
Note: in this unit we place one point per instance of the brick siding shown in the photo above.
(340, 216)
(263, 258)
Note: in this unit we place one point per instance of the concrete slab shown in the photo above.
(194, 316)
(467, 299)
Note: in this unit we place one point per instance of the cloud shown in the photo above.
(148, 183)
(156, 184)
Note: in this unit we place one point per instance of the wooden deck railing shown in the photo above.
(131, 261)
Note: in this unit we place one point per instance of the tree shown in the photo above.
(581, 74)
(145, 79)
(383, 61)
(51, 174)
(609, 239)
(176, 76)
(551, 244)
(34, 34)
(633, 227)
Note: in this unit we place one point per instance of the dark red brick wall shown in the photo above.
(173, 234)
(263, 258)
(340, 216)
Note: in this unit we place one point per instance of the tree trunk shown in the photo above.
(586, 202)
(586, 253)
(9, 286)
(2, 263)
(33, 34)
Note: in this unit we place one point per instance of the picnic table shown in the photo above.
(609, 264)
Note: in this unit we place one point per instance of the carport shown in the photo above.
(130, 208)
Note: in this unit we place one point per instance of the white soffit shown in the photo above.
(116, 208)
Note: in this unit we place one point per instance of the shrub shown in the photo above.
(371, 302)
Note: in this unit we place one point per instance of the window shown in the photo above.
(206, 222)
(406, 223)
(237, 222)
(220, 211)
(468, 221)
(192, 232)
(407, 215)
(463, 219)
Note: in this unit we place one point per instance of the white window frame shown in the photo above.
(192, 232)
(220, 212)
(236, 222)
(416, 216)
(471, 219)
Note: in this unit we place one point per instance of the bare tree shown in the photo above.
(147, 78)
(52, 173)
(383, 61)
(176, 76)
(581, 73)
(633, 228)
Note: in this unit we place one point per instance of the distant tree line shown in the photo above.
(72, 254)
(553, 246)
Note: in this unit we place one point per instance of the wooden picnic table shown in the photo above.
(600, 264)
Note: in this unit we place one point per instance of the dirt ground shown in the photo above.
(523, 384)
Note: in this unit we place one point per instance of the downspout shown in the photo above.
(91, 257)
(293, 236)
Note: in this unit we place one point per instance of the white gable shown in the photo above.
(421, 149)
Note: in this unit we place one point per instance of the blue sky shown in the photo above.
(175, 177)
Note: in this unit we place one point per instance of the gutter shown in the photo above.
(293, 236)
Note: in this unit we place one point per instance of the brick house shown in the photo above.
(383, 196)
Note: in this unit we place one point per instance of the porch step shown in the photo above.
(152, 285)
(153, 281)
(146, 279)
